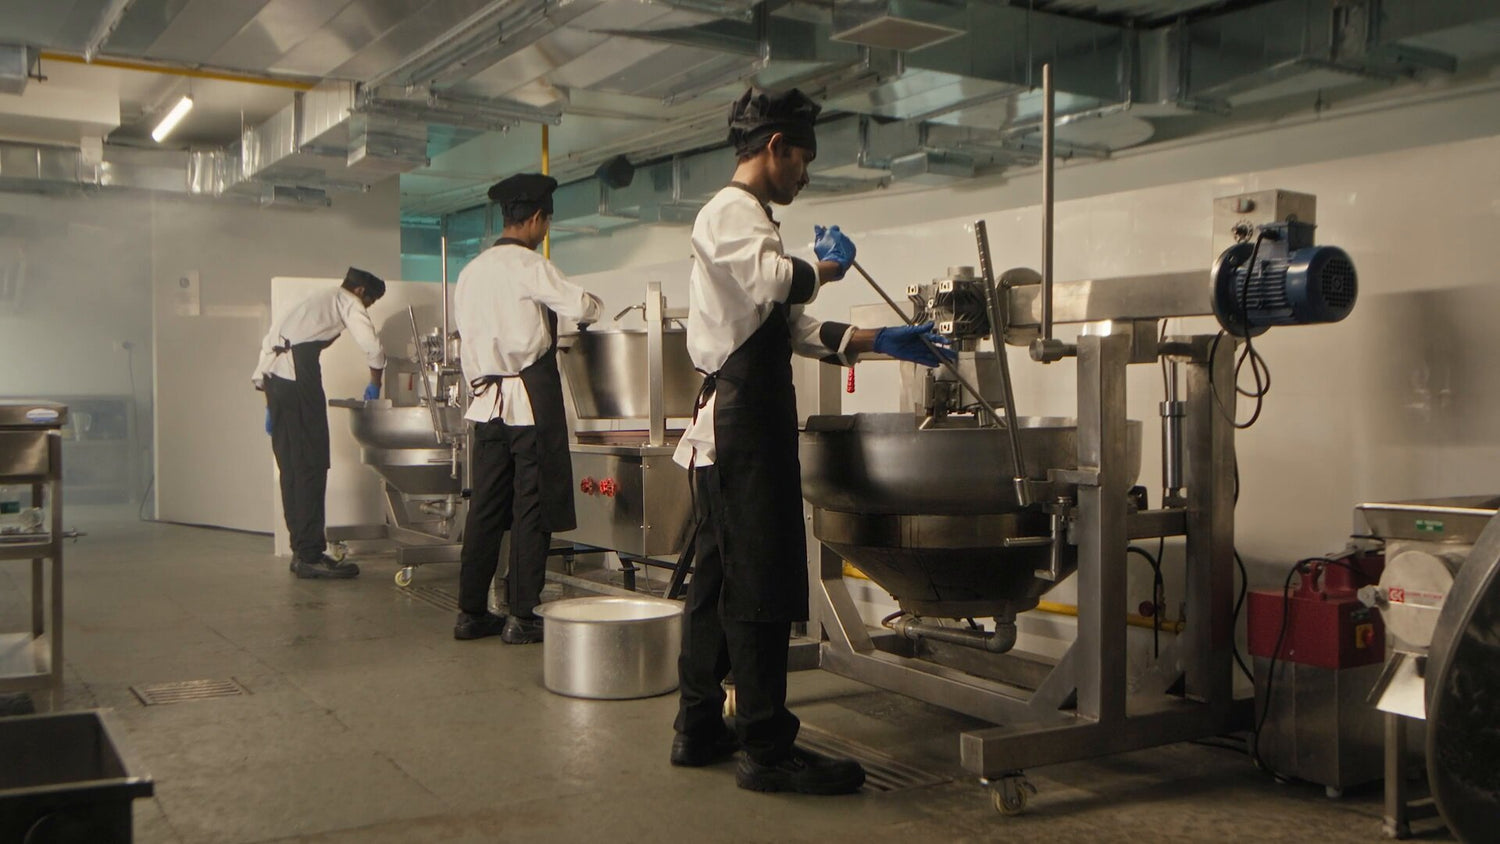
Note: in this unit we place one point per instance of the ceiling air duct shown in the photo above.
(903, 25)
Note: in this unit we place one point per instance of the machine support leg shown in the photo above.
(1397, 824)
(1208, 471)
(1101, 527)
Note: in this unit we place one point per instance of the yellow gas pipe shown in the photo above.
(1055, 608)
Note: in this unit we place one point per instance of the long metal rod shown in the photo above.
(997, 335)
(547, 171)
(443, 250)
(416, 337)
(947, 364)
(1047, 140)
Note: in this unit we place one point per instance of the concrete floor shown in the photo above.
(367, 722)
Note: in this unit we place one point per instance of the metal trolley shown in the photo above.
(31, 454)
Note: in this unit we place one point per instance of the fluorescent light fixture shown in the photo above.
(174, 117)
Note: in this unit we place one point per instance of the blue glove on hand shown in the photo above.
(372, 392)
(904, 342)
(268, 420)
(830, 244)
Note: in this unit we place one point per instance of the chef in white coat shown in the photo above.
(506, 306)
(291, 375)
(745, 320)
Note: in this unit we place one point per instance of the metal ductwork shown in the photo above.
(15, 68)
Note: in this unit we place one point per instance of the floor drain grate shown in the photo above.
(158, 694)
(431, 595)
(882, 773)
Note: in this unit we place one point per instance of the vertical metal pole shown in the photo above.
(1047, 198)
(546, 171)
(1396, 822)
(1101, 526)
(654, 374)
(54, 448)
(443, 248)
(1208, 472)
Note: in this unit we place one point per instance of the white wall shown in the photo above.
(75, 316)
(1395, 402)
(213, 457)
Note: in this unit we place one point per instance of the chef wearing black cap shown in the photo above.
(291, 376)
(745, 320)
(506, 307)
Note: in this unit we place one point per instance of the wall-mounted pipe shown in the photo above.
(546, 171)
(171, 69)
(1048, 118)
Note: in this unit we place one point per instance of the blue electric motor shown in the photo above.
(1292, 282)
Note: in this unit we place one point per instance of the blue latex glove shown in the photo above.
(268, 420)
(830, 244)
(372, 392)
(904, 342)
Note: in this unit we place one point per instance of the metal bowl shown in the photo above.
(379, 424)
(400, 445)
(607, 374)
(611, 648)
(882, 463)
(932, 516)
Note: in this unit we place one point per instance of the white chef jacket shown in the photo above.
(321, 317)
(740, 271)
(500, 307)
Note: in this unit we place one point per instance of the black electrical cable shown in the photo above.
(1157, 595)
(1259, 370)
(1286, 614)
(1239, 604)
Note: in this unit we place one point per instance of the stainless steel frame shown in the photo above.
(1081, 708)
(31, 454)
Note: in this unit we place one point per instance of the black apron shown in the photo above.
(312, 436)
(761, 536)
(555, 464)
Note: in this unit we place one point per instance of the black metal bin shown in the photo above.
(63, 778)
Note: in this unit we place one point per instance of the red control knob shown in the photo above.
(586, 486)
(608, 487)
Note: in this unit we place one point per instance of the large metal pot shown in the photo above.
(611, 648)
(932, 515)
(400, 444)
(606, 372)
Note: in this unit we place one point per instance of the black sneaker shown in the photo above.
(692, 752)
(478, 626)
(325, 567)
(802, 771)
(522, 631)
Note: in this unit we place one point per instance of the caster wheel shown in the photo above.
(403, 577)
(729, 706)
(338, 551)
(1011, 794)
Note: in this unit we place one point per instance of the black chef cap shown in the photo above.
(373, 284)
(758, 114)
(523, 194)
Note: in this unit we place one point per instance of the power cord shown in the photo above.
(1158, 599)
(1239, 604)
(1259, 370)
(1286, 614)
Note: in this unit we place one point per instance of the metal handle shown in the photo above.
(416, 336)
(997, 336)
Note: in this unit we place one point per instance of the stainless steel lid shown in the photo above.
(32, 413)
(1457, 520)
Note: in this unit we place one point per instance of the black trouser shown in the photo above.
(712, 645)
(299, 439)
(506, 496)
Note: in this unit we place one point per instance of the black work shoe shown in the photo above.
(802, 771)
(692, 752)
(478, 626)
(324, 567)
(522, 631)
